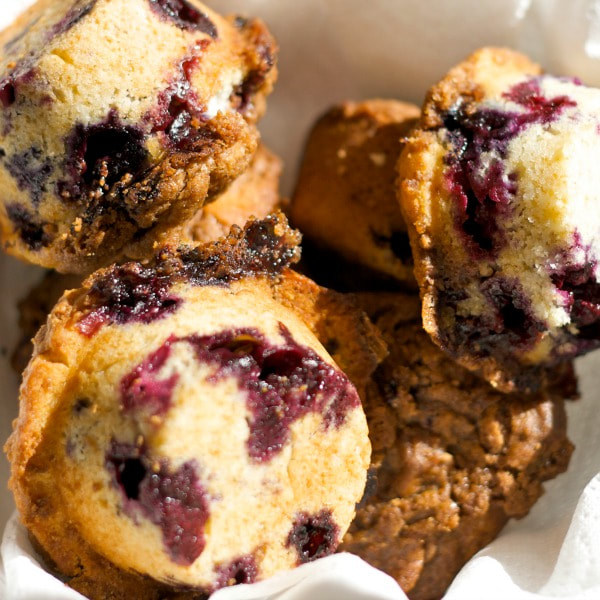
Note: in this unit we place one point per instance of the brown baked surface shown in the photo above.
(255, 193)
(453, 459)
(345, 199)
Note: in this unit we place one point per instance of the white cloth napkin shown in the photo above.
(344, 49)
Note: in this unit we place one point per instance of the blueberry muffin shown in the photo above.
(118, 120)
(453, 458)
(255, 193)
(169, 407)
(345, 198)
(498, 186)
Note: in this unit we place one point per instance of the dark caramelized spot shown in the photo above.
(31, 170)
(124, 294)
(313, 536)
(132, 292)
(239, 570)
(100, 155)
(483, 197)
(173, 500)
(184, 15)
(30, 231)
(265, 246)
(142, 390)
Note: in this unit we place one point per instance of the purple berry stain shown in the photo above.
(125, 294)
(508, 324)
(31, 171)
(173, 499)
(240, 570)
(179, 114)
(75, 14)
(282, 383)
(29, 229)
(184, 15)
(313, 536)
(483, 196)
(141, 390)
(581, 290)
(100, 155)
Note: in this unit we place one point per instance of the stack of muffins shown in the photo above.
(195, 411)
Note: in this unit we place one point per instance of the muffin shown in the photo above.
(453, 458)
(169, 407)
(345, 197)
(497, 185)
(255, 193)
(118, 120)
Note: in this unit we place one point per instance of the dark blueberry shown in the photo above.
(174, 500)
(508, 323)
(7, 92)
(582, 289)
(31, 170)
(483, 201)
(239, 570)
(128, 293)
(179, 114)
(314, 536)
(75, 14)
(185, 16)
(245, 91)
(30, 231)
(141, 390)
(100, 155)
(124, 463)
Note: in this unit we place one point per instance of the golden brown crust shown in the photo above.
(345, 196)
(453, 459)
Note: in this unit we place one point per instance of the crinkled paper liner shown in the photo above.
(343, 49)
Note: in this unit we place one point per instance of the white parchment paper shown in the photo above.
(332, 50)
